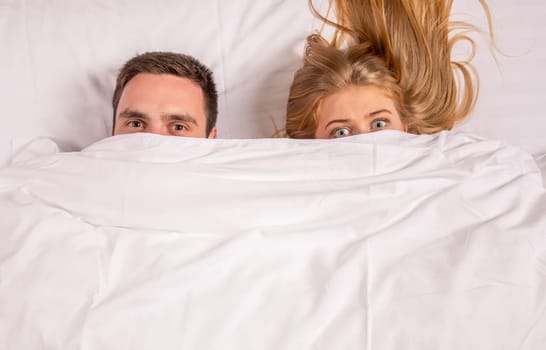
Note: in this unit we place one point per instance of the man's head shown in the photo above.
(165, 93)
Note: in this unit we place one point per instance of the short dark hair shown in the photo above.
(180, 65)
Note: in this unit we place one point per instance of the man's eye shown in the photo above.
(341, 132)
(179, 127)
(379, 124)
(135, 124)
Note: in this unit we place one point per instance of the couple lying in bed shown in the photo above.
(388, 66)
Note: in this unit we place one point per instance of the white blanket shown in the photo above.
(380, 241)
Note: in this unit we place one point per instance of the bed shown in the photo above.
(378, 241)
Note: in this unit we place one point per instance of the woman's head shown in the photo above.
(405, 47)
(329, 76)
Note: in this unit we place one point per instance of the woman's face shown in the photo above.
(356, 110)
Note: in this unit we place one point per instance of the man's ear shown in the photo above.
(212, 134)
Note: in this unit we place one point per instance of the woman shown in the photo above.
(396, 54)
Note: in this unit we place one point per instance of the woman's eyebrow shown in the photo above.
(373, 114)
(336, 121)
(370, 115)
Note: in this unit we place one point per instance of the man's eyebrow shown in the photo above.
(180, 117)
(129, 113)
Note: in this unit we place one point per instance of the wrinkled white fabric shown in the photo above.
(381, 241)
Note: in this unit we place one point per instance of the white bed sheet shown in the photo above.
(380, 241)
(61, 57)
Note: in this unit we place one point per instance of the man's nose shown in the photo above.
(156, 128)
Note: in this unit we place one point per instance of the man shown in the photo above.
(165, 93)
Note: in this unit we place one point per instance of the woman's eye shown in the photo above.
(135, 124)
(379, 124)
(341, 132)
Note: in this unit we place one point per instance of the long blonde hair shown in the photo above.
(414, 40)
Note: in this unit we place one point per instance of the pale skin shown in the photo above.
(162, 104)
(356, 110)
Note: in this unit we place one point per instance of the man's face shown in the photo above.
(162, 104)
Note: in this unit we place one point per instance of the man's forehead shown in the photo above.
(163, 91)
